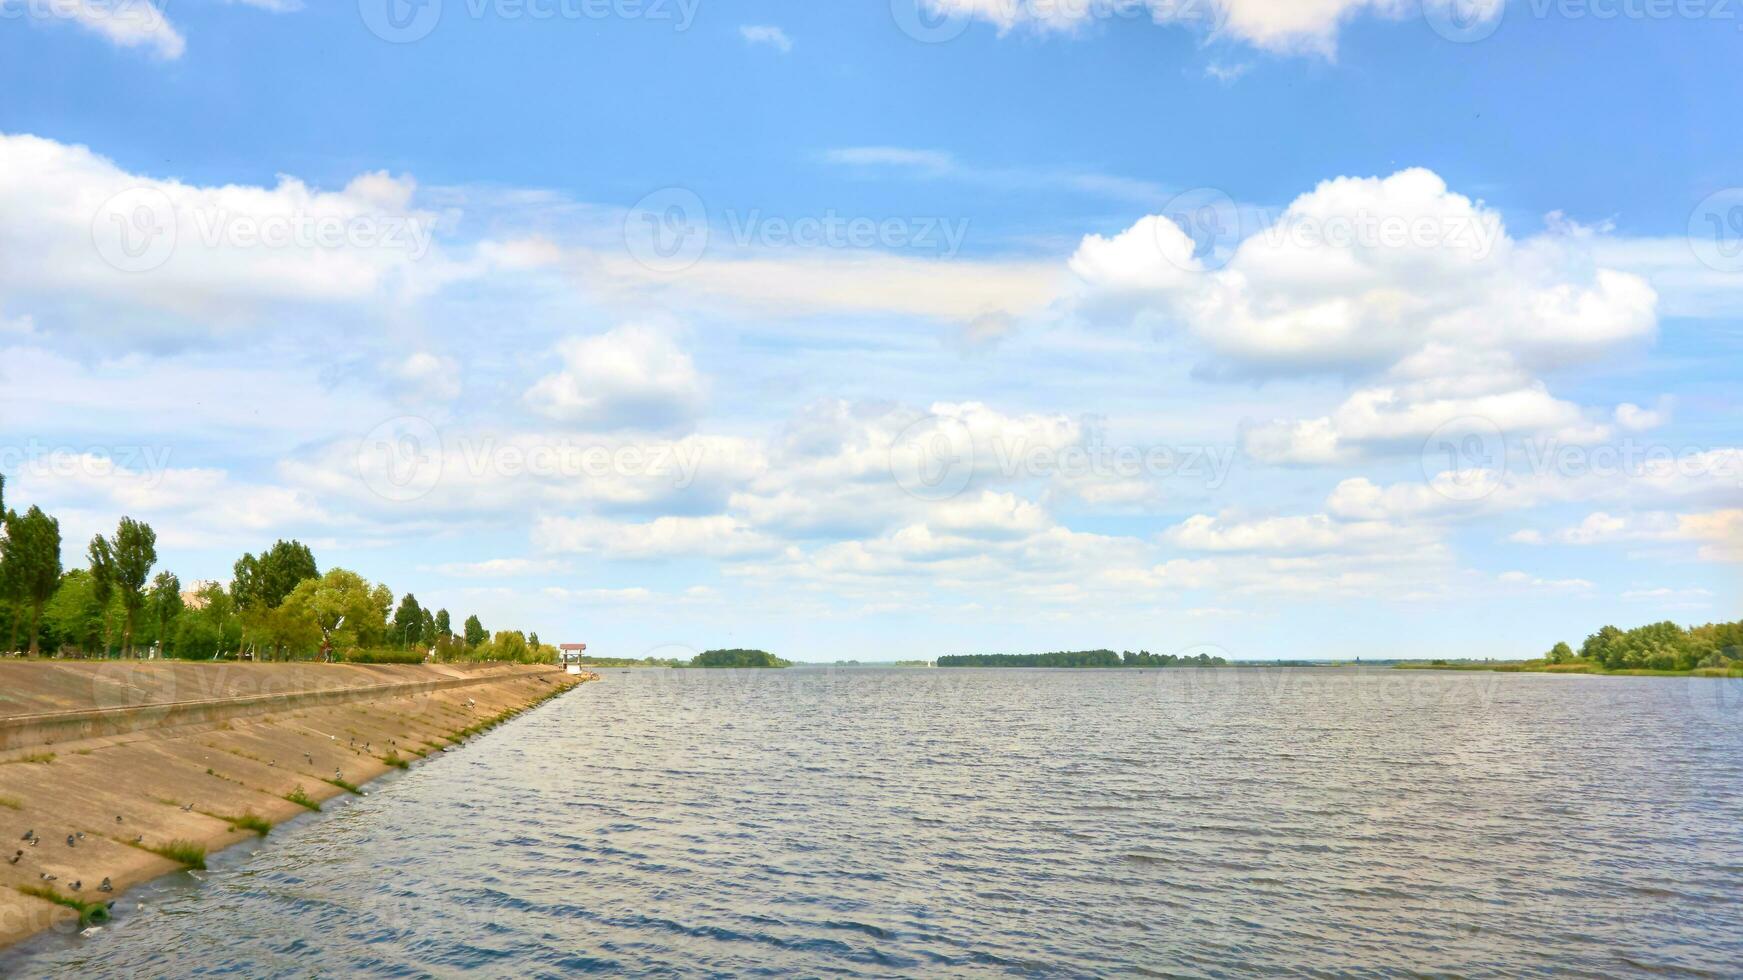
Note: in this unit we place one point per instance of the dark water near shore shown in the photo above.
(904, 822)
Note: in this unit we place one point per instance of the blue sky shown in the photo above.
(1186, 307)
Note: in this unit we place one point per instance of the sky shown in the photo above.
(895, 328)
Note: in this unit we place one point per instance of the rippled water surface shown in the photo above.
(903, 822)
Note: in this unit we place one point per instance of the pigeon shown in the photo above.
(14, 858)
(80, 835)
(29, 835)
(117, 818)
(140, 839)
(188, 809)
(106, 886)
(77, 886)
(47, 877)
(71, 842)
(35, 840)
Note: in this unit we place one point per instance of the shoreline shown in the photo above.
(147, 783)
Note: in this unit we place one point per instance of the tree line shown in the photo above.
(278, 605)
(1658, 646)
(1081, 658)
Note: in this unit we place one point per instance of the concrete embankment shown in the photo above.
(147, 767)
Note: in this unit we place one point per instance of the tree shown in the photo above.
(339, 608)
(134, 550)
(427, 629)
(102, 559)
(72, 616)
(166, 604)
(408, 621)
(444, 625)
(1561, 653)
(265, 581)
(262, 584)
(533, 641)
(475, 632)
(32, 554)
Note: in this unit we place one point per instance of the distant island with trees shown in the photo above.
(1666, 649)
(1081, 658)
(738, 658)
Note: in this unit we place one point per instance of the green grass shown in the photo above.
(347, 787)
(395, 761)
(8, 803)
(40, 759)
(250, 821)
(301, 798)
(183, 852)
(90, 913)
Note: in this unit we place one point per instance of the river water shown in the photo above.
(886, 822)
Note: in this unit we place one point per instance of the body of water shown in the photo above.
(884, 822)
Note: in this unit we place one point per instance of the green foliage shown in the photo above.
(266, 581)
(31, 553)
(339, 611)
(134, 551)
(738, 658)
(251, 821)
(408, 622)
(301, 798)
(165, 604)
(183, 852)
(444, 625)
(475, 634)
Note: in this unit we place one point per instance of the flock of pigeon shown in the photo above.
(32, 840)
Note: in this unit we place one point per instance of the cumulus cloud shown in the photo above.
(1396, 278)
(632, 377)
(79, 225)
(1274, 25)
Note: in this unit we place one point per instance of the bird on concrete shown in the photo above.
(80, 835)
(47, 877)
(106, 886)
(140, 839)
(15, 858)
(28, 835)
(188, 809)
(77, 886)
(117, 818)
(71, 841)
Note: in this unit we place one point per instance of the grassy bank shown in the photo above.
(1568, 667)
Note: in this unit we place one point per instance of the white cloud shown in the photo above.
(1717, 534)
(1636, 419)
(209, 257)
(1296, 535)
(501, 568)
(766, 34)
(1397, 277)
(632, 377)
(123, 23)
(717, 536)
(1521, 580)
(1273, 25)
(429, 376)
